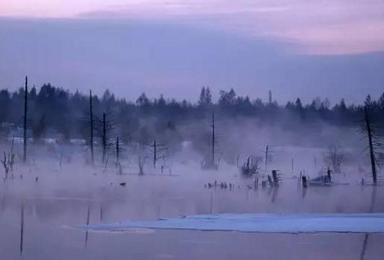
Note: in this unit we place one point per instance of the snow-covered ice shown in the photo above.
(264, 223)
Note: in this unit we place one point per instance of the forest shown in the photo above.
(52, 108)
(57, 114)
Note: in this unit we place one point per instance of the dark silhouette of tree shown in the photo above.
(91, 126)
(370, 135)
(25, 120)
(373, 129)
(143, 100)
(227, 99)
(205, 98)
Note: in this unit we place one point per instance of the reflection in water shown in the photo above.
(365, 242)
(22, 228)
(371, 209)
(101, 213)
(87, 223)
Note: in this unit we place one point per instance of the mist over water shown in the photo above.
(57, 188)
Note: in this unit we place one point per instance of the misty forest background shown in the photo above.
(63, 115)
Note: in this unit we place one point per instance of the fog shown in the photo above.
(58, 185)
(194, 130)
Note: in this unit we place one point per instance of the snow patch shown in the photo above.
(262, 223)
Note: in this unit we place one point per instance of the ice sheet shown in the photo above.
(265, 223)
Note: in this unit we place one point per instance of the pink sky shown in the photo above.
(311, 27)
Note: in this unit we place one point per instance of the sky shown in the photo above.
(295, 48)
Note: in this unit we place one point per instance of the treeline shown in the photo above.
(59, 112)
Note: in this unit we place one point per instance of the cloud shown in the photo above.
(307, 26)
(312, 27)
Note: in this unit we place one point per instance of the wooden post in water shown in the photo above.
(304, 181)
(25, 120)
(370, 142)
(329, 175)
(275, 178)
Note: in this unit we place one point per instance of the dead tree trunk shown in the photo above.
(368, 126)
(91, 126)
(104, 137)
(304, 181)
(117, 150)
(213, 141)
(154, 153)
(266, 157)
(25, 120)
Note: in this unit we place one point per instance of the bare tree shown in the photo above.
(25, 120)
(142, 156)
(211, 163)
(91, 126)
(251, 166)
(140, 162)
(104, 136)
(104, 129)
(5, 165)
(369, 130)
(334, 158)
(117, 147)
(159, 151)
